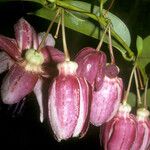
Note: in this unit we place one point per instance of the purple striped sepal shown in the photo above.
(142, 140)
(105, 102)
(68, 102)
(119, 133)
(17, 84)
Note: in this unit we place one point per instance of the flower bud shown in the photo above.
(91, 66)
(68, 102)
(142, 139)
(105, 102)
(119, 133)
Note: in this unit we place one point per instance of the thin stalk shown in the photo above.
(57, 30)
(102, 21)
(145, 95)
(111, 4)
(48, 30)
(101, 7)
(137, 88)
(129, 86)
(140, 79)
(110, 48)
(102, 38)
(67, 56)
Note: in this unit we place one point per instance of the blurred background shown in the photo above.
(20, 127)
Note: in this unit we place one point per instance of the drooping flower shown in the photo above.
(142, 139)
(105, 101)
(119, 133)
(68, 102)
(27, 69)
(91, 64)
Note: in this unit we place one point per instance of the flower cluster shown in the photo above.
(86, 90)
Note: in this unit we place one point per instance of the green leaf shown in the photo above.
(144, 59)
(132, 99)
(119, 27)
(82, 24)
(139, 45)
(79, 24)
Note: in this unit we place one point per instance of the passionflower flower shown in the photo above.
(24, 62)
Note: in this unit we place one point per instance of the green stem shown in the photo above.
(57, 30)
(111, 4)
(48, 30)
(140, 79)
(101, 7)
(137, 89)
(102, 21)
(102, 38)
(67, 56)
(110, 47)
(145, 95)
(129, 86)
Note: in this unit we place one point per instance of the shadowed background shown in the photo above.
(21, 129)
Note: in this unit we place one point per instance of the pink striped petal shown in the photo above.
(105, 102)
(68, 102)
(23, 34)
(123, 134)
(35, 39)
(42, 96)
(39, 96)
(84, 52)
(50, 41)
(82, 125)
(46, 54)
(56, 55)
(64, 106)
(17, 84)
(142, 139)
(142, 136)
(10, 47)
(100, 72)
(119, 133)
(5, 62)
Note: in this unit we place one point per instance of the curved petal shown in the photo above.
(5, 62)
(107, 98)
(56, 55)
(39, 96)
(82, 122)
(64, 106)
(23, 34)
(46, 54)
(84, 52)
(17, 84)
(42, 96)
(10, 47)
(50, 41)
(35, 39)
